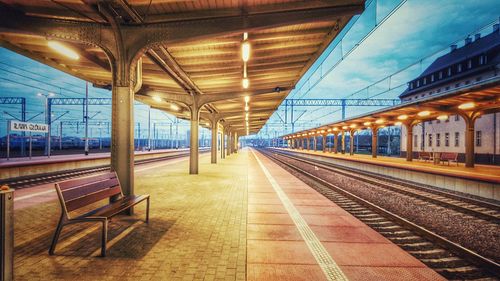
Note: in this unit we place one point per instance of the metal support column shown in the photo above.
(351, 142)
(323, 138)
(314, 143)
(7, 234)
(213, 146)
(374, 141)
(193, 142)
(342, 142)
(336, 143)
(409, 141)
(122, 138)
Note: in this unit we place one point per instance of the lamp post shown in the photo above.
(47, 120)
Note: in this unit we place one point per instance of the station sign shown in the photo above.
(28, 127)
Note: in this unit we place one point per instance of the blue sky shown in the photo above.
(416, 30)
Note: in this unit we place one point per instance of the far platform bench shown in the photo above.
(423, 155)
(77, 193)
(449, 157)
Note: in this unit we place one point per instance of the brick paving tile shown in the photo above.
(197, 231)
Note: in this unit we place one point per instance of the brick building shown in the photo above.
(476, 61)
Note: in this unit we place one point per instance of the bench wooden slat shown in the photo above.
(92, 198)
(73, 193)
(82, 181)
(117, 207)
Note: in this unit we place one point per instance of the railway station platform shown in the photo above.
(18, 167)
(482, 180)
(245, 218)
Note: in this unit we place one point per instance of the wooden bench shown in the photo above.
(423, 155)
(449, 157)
(78, 193)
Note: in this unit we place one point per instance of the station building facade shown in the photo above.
(477, 60)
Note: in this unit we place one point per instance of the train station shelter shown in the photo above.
(226, 65)
(469, 102)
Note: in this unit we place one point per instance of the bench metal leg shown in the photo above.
(147, 210)
(56, 235)
(104, 237)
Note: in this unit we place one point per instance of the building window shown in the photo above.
(430, 140)
(449, 71)
(418, 83)
(411, 85)
(425, 80)
(457, 139)
(469, 64)
(415, 140)
(440, 75)
(457, 85)
(457, 117)
(446, 139)
(478, 138)
(482, 59)
(459, 67)
(438, 140)
(432, 78)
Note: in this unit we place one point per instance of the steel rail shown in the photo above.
(461, 251)
(383, 182)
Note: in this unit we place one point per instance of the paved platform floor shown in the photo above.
(242, 219)
(488, 173)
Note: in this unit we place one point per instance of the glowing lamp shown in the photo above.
(157, 98)
(379, 121)
(424, 113)
(367, 123)
(174, 106)
(467, 105)
(245, 83)
(344, 127)
(403, 117)
(247, 98)
(63, 50)
(352, 126)
(443, 117)
(245, 51)
(399, 123)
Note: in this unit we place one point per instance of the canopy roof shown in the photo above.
(203, 54)
(483, 96)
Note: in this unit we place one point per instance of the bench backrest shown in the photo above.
(448, 156)
(77, 193)
(424, 153)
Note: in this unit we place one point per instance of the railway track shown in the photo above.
(447, 258)
(27, 181)
(475, 207)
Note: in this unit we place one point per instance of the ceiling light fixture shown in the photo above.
(247, 108)
(157, 98)
(174, 106)
(367, 123)
(403, 117)
(424, 113)
(245, 82)
(63, 50)
(380, 121)
(467, 105)
(442, 117)
(247, 98)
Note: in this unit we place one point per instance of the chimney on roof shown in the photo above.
(468, 40)
(477, 36)
(453, 48)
